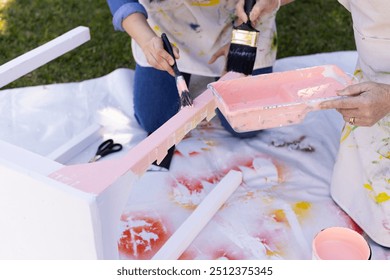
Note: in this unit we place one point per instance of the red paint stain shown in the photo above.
(215, 178)
(195, 186)
(143, 237)
(247, 163)
(194, 153)
(226, 254)
(187, 255)
(192, 184)
(177, 153)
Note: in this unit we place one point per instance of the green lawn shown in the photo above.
(305, 27)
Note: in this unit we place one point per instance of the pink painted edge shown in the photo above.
(96, 177)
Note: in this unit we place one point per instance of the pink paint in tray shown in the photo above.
(276, 99)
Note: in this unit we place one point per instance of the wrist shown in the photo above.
(138, 28)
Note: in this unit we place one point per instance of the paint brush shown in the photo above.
(185, 97)
(243, 45)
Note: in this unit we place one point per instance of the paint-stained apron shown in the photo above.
(199, 28)
(361, 178)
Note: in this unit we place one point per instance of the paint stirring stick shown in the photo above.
(186, 233)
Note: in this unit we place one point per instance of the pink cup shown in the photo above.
(339, 243)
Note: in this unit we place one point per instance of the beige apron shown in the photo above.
(199, 28)
(361, 178)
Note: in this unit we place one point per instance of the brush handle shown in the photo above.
(248, 6)
(168, 48)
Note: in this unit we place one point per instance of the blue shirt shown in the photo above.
(120, 9)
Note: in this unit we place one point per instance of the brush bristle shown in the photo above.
(241, 59)
(185, 99)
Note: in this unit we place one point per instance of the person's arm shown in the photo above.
(130, 16)
(261, 8)
(364, 104)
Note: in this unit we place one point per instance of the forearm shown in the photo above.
(138, 28)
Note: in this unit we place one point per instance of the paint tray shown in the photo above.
(276, 99)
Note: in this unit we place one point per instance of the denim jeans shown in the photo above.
(156, 99)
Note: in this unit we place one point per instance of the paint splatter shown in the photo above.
(195, 26)
(225, 254)
(142, 236)
(298, 144)
(279, 216)
(301, 208)
(382, 197)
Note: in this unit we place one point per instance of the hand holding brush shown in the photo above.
(243, 46)
(185, 97)
(259, 10)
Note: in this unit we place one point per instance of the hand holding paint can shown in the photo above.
(340, 243)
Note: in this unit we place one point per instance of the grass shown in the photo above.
(304, 27)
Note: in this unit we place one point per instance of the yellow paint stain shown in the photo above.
(279, 216)
(210, 143)
(346, 132)
(201, 53)
(301, 208)
(157, 28)
(382, 197)
(164, 14)
(269, 252)
(201, 3)
(368, 186)
(358, 74)
(387, 155)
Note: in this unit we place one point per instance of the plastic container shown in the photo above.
(277, 99)
(340, 243)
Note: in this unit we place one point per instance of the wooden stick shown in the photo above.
(39, 56)
(186, 233)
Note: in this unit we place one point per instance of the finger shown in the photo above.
(349, 112)
(351, 120)
(358, 121)
(341, 103)
(255, 22)
(216, 55)
(161, 62)
(256, 11)
(240, 12)
(163, 56)
(176, 52)
(354, 90)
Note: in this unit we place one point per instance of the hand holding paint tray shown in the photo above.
(277, 99)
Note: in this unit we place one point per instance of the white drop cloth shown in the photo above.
(283, 202)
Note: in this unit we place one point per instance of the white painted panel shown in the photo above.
(76, 145)
(110, 205)
(43, 219)
(39, 56)
(26, 159)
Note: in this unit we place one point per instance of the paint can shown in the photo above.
(340, 243)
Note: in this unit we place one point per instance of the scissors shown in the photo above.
(106, 148)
